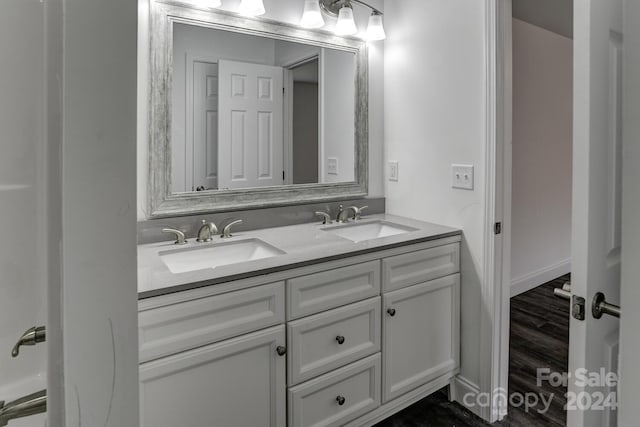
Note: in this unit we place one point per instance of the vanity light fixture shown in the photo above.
(342, 9)
(346, 25)
(311, 17)
(251, 8)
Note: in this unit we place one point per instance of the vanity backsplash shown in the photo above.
(150, 231)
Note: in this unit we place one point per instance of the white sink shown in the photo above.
(217, 255)
(358, 232)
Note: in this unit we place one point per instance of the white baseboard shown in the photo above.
(532, 280)
(461, 387)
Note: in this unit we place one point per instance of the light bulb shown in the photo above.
(311, 17)
(251, 8)
(346, 26)
(375, 29)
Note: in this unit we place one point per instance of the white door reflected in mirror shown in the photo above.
(252, 111)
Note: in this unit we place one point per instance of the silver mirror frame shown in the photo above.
(162, 202)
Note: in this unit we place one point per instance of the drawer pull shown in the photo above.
(340, 339)
(341, 400)
(281, 350)
(392, 312)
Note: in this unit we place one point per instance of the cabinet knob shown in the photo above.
(392, 312)
(340, 339)
(340, 400)
(281, 350)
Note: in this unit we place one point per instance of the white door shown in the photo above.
(597, 202)
(629, 337)
(250, 127)
(205, 126)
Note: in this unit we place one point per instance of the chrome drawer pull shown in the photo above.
(340, 339)
(341, 400)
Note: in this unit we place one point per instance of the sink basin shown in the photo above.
(358, 232)
(217, 255)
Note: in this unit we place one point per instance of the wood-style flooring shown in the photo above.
(539, 338)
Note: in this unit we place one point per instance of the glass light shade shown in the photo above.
(251, 8)
(311, 17)
(375, 29)
(346, 26)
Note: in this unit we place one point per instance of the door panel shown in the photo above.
(596, 187)
(251, 102)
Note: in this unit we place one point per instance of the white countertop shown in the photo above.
(302, 244)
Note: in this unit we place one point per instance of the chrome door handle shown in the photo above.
(600, 306)
(559, 292)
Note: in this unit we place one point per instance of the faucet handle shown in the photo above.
(357, 212)
(226, 231)
(326, 218)
(180, 239)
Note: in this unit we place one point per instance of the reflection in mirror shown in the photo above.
(252, 111)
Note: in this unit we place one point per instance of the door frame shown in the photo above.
(496, 292)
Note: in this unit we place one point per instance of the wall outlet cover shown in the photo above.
(332, 166)
(393, 171)
(462, 177)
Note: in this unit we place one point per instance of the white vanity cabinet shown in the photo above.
(346, 342)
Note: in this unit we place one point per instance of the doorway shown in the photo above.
(540, 203)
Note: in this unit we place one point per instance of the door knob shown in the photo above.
(600, 306)
(391, 312)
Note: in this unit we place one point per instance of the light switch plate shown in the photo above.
(332, 166)
(462, 177)
(393, 171)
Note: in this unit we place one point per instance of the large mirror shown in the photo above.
(250, 113)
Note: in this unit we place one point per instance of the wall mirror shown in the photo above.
(248, 113)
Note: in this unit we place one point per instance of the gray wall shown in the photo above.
(552, 15)
(305, 133)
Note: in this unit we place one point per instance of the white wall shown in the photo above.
(288, 11)
(99, 295)
(337, 117)
(435, 116)
(23, 196)
(542, 156)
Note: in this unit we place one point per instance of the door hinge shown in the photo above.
(497, 228)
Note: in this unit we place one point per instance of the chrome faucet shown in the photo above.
(343, 215)
(180, 240)
(226, 231)
(357, 212)
(326, 218)
(206, 232)
(32, 336)
(35, 403)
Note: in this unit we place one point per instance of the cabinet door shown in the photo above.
(421, 331)
(235, 383)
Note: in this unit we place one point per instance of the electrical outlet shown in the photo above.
(393, 171)
(462, 177)
(332, 166)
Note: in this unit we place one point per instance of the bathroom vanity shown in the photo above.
(333, 325)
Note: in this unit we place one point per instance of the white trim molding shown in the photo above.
(494, 317)
(539, 277)
(466, 393)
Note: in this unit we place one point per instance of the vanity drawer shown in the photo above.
(337, 398)
(326, 341)
(173, 328)
(332, 288)
(417, 267)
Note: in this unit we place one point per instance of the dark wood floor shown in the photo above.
(539, 338)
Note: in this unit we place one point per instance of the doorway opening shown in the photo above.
(540, 203)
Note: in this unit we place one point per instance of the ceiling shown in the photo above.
(552, 15)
